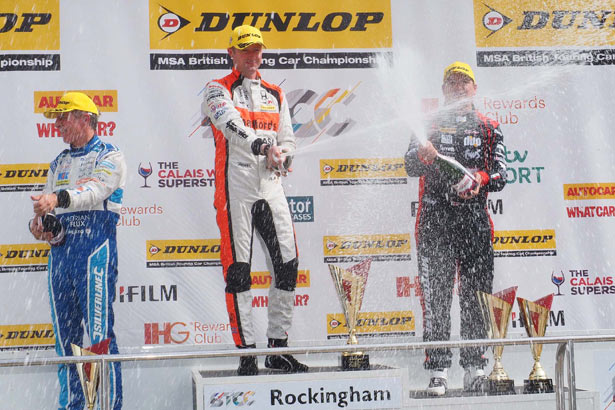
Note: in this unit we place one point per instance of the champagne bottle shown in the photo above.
(457, 172)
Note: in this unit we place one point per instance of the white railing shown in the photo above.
(564, 356)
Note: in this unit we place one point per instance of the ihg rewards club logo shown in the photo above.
(373, 324)
(27, 25)
(314, 25)
(355, 248)
(178, 253)
(362, 171)
(23, 177)
(560, 29)
(538, 242)
(22, 337)
(27, 257)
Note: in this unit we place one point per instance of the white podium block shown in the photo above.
(321, 388)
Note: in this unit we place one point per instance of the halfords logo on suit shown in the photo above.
(22, 337)
(175, 253)
(23, 177)
(27, 25)
(354, 248)
(545, 23)
(356, 24)
(368, 171)
(373, 324)
(27, 257)
(539, 242)
(105, 100)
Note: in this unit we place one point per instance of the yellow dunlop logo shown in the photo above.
(105, 100)
(318, 24)
(352, 248)
(30, 25)
(23, 177)
(589, 191)
(543, 23)
(262, 280)
(35, 335)
(373, 323)
(377, 171)
(169, 253)
(540, 242)
(26, 257)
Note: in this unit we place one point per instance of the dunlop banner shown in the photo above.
(352, 248)
(23, 177)
(373, 324)
(573, 32)
(319, 24)
(540, 242)
(17, 337)
(182, 253)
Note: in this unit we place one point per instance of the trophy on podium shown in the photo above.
(535, 316)
(89, 373)
(350, 287)
(496, 310)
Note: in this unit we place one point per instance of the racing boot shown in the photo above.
(284, 362)
(248, 365)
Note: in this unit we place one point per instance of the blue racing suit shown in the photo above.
(83, 258)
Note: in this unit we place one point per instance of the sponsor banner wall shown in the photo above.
(542, 70)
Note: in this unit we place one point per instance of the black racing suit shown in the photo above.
(455, 235)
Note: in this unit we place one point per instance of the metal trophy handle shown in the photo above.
(496, 310)
(535, 316)
(350, 288)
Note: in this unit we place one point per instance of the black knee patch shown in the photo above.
(238, 278)
(286, 275)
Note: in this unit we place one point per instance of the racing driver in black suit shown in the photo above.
(454, 231)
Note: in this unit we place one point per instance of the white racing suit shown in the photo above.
(244, 115)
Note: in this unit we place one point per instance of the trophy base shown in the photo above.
(353, 361)
(538, 386)
(506, 386)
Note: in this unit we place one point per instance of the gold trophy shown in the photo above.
(89, 373)
(350, 286)
(496, 310)
(535, 316)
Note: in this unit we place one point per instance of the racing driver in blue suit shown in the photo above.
(77, 214)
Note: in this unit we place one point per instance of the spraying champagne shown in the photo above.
(456, 172)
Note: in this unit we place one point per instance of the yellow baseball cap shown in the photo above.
(72, 101)
(459, 67)
(244, 36)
